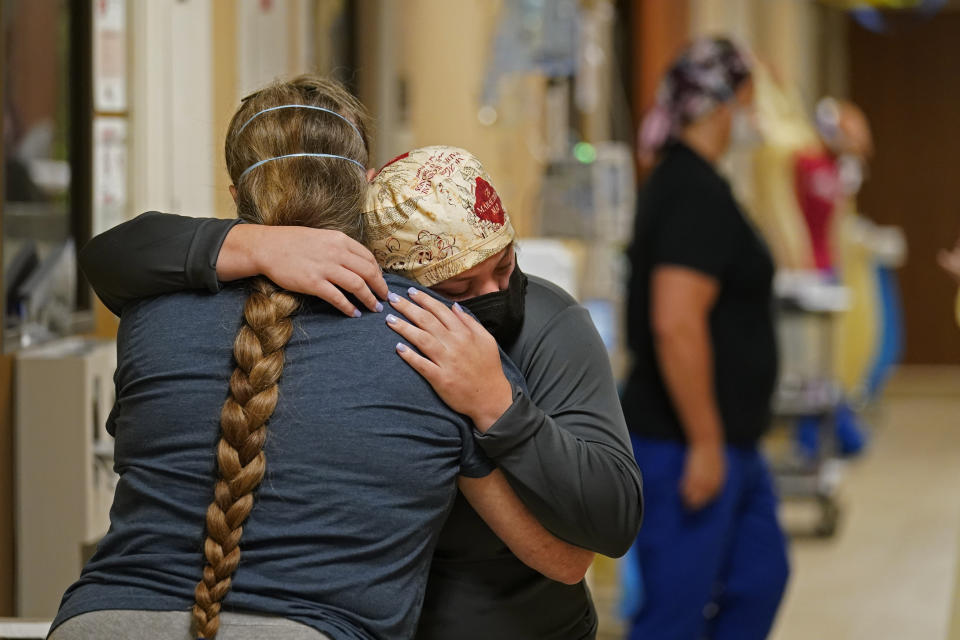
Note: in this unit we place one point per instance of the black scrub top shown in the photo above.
(687, 216)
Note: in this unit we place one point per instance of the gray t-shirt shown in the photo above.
(362, 459)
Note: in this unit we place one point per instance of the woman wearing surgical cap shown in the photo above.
(434, 216)
(263, 493)
(711, 553)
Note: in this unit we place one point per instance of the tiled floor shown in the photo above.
(890, 571)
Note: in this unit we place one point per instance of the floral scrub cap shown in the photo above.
(433, 213)
(706, 75)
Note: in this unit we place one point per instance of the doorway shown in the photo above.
(906, 80)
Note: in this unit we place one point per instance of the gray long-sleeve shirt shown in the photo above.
(564, 448)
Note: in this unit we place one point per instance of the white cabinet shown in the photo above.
(63, 465)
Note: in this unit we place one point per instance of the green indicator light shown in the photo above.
(584, 152)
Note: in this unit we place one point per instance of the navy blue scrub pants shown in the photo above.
(717, 573)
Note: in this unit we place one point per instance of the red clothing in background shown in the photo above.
(817, 178)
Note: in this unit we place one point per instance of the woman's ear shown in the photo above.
(233, 193)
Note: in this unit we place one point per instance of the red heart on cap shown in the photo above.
(487, 205)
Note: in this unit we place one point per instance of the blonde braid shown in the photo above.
(258, 351)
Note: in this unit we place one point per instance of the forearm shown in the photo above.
(584, 491)
(494, 500)
(239, 256)
(685, 356)
(498, 399)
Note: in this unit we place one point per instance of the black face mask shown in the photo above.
(501, 312)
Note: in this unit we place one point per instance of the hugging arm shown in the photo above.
(564, 445)
(157, 253)
(152, 254)
(494, 501)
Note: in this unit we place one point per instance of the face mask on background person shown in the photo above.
(501, 312)
(852, 173)
(743, 129)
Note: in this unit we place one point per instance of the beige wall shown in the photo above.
(801, 43)
(379, 62)
(171, 158)
(439, 48)
(446, 48)
(785, 34)
(224, 102)
(191, 65)
(251, 47)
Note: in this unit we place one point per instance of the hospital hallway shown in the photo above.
(892, 569)
(711, 251)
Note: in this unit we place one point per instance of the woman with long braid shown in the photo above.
(258, 351)
(434, 216)
(333, 537)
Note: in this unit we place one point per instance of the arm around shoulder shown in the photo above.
(152, 254)
(493, 499)
(565, 448)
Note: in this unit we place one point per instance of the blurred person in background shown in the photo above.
(711, 554)
(949, 260)
(435, 217)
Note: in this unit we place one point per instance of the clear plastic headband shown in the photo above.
(300, 106)
(298, 155)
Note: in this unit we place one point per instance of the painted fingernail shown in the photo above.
(401, 347)
(356, 313)
(379, 307)
(392, 297)
(391, 319)
(458, 307)
(413, 291)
